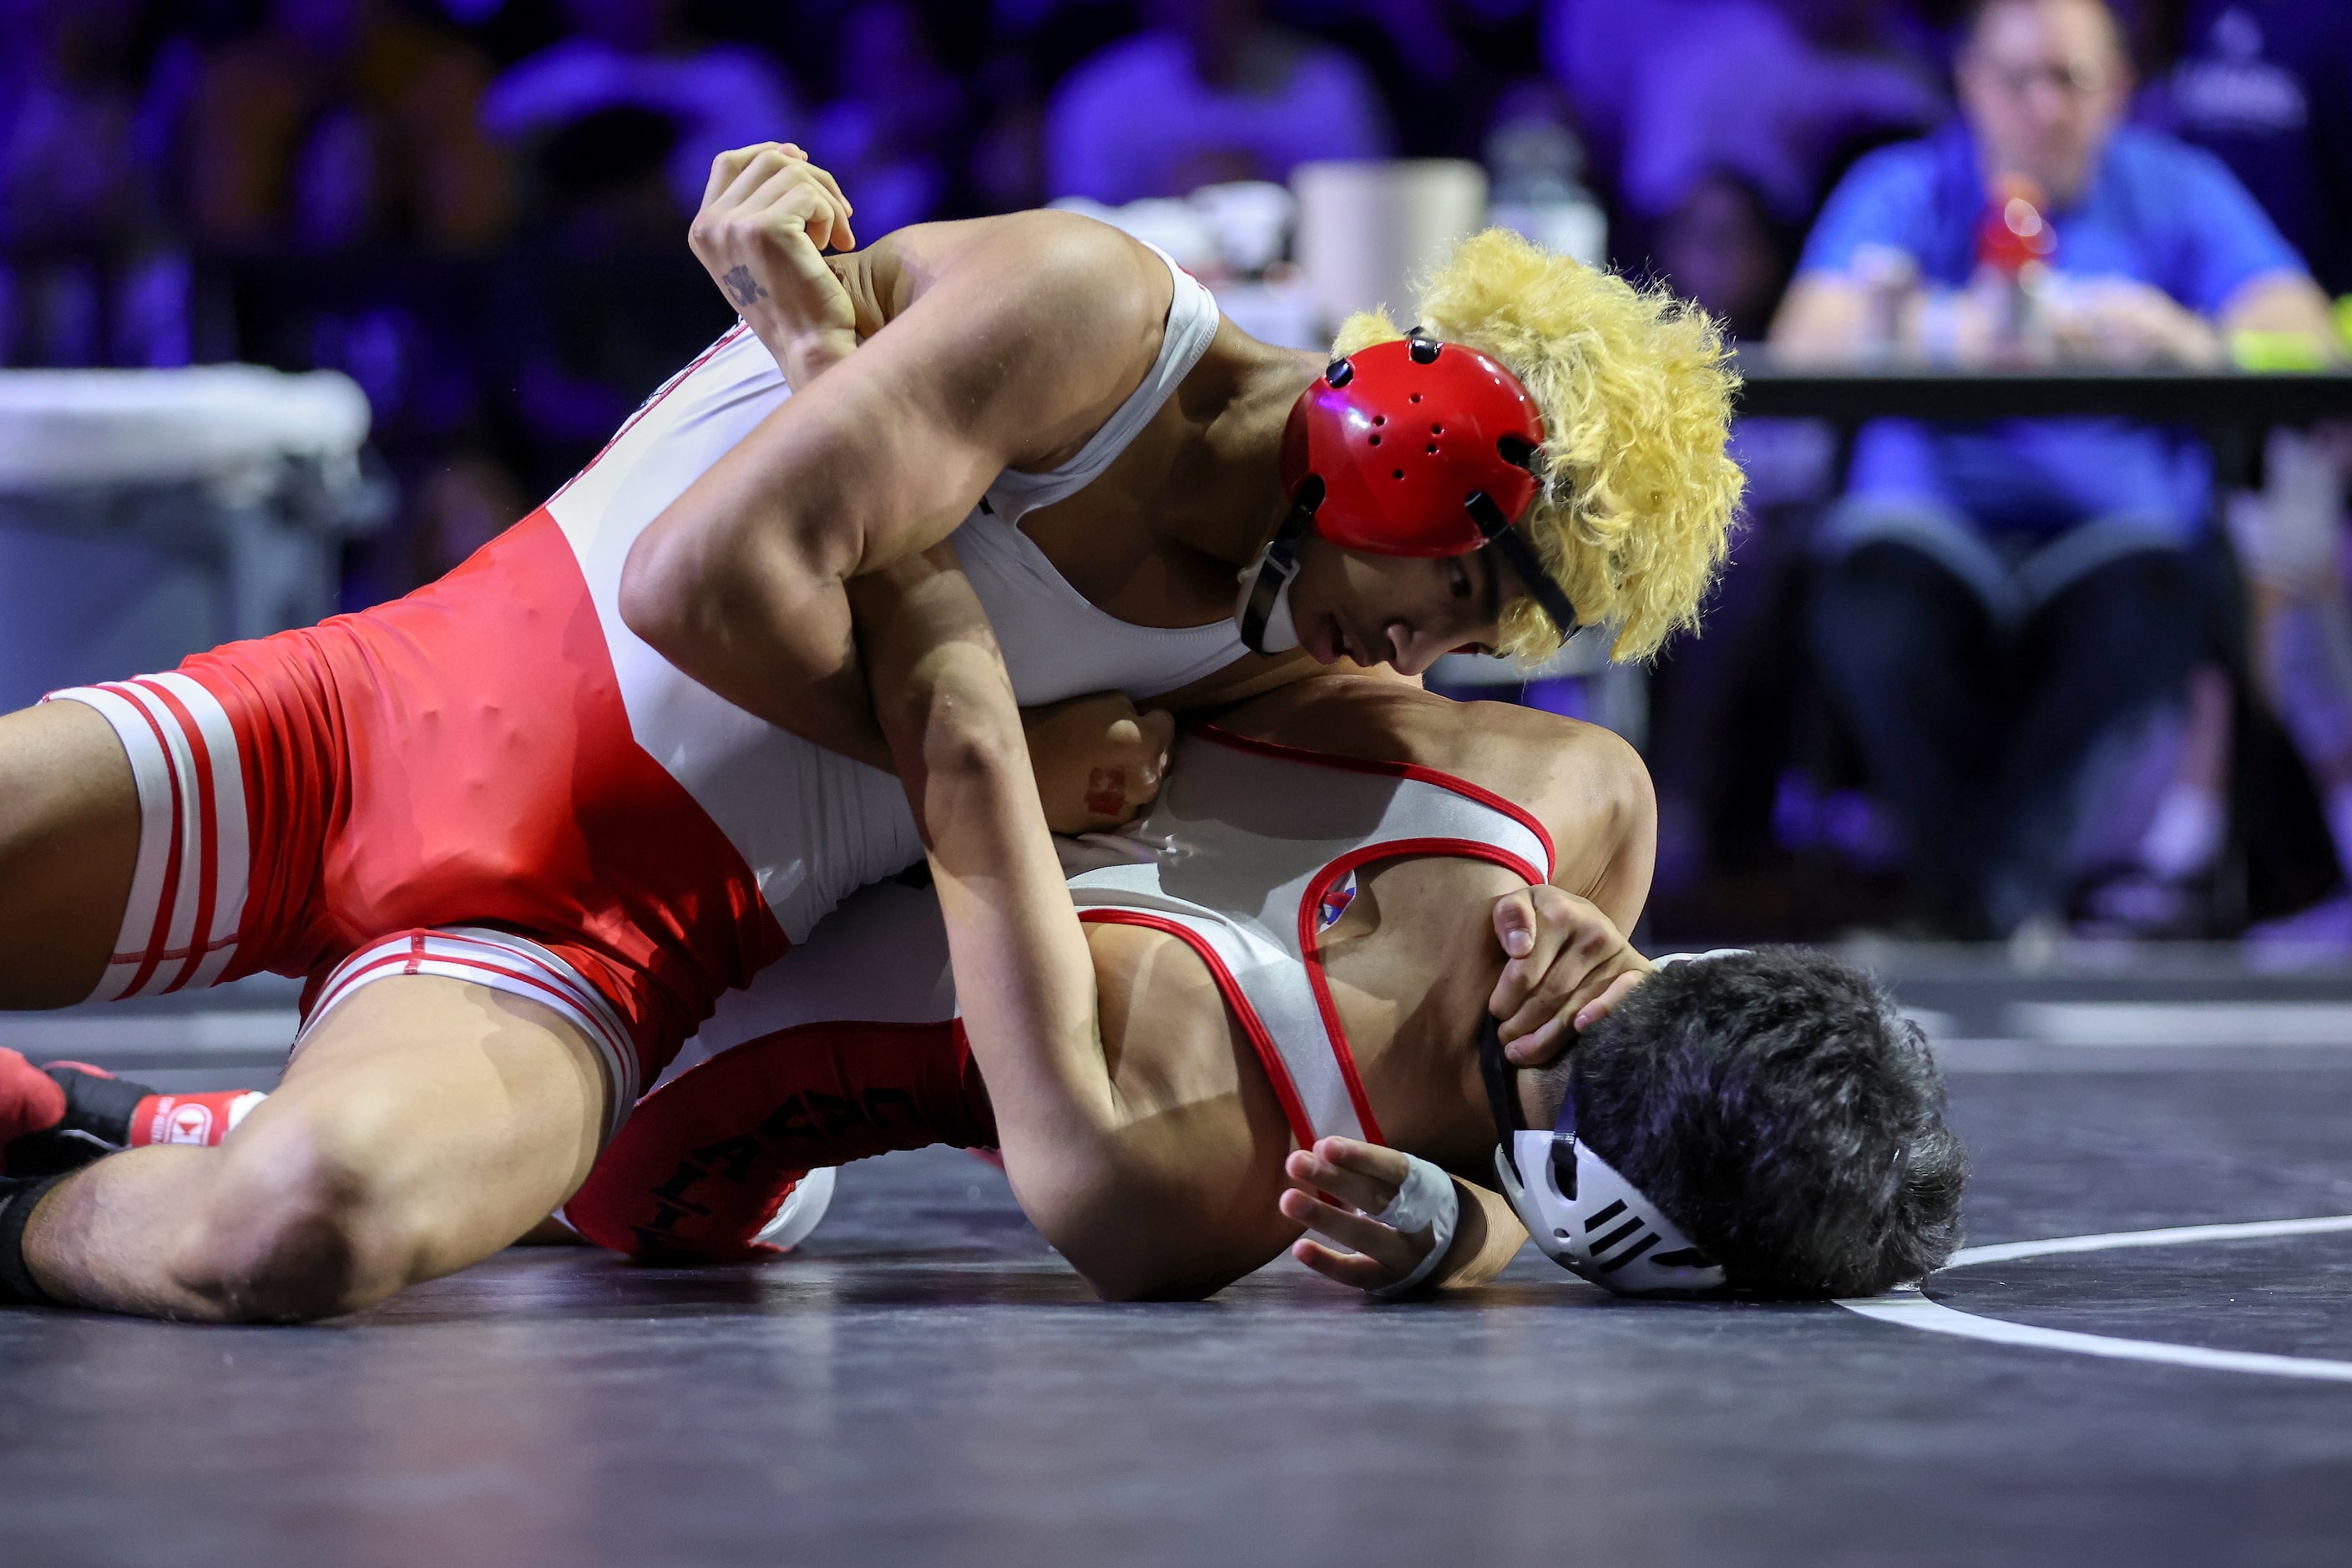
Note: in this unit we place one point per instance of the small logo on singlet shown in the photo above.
(1335, 901)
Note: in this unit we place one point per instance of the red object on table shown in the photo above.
(2015, 233)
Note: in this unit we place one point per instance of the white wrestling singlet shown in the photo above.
(1250, 853)
(813, 825)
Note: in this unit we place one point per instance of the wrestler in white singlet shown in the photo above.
(1250, 853)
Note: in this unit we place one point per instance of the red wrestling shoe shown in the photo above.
(799, 1213)
(729, 1160)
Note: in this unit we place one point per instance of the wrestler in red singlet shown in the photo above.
(495, 778)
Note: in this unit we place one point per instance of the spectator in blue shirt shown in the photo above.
(1993, 602)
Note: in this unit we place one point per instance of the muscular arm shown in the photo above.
(1023, 334)
(1123, 1192)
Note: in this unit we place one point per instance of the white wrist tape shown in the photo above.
(1425, 1202)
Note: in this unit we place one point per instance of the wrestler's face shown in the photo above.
(1398, 610)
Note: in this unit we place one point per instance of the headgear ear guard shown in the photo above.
(1413, 448)
(1585, 1217)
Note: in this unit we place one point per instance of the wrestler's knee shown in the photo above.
(296, 1229)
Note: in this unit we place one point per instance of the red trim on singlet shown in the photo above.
(1415, 771)
(1461, 848)
(207, 831)
(1276, 1070)
(649, 405)
(161, 932)
(528, 972)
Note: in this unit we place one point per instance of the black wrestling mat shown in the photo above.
(925, 1384)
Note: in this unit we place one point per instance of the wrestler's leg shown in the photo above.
(68, 845)
(707, 1158)
(427, 1123)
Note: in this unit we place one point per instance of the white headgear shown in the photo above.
(1596, 1224)
(1586, 1217)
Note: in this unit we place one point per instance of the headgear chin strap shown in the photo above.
(1585, 1217)
(1264, 612)
(1412, 447)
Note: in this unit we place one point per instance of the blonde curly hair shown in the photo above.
(1634, 510)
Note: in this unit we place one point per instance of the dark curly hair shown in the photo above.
(1779, 1108)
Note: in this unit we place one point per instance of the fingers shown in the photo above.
(1374, 1240)
(1355, 1184)
(1364, 1178)
(1374, 1161)
(833, 186)
(791, 194)
(1552, 927)
(1571, 957)
(1589, 1003)
(1600, 1006)
(758, 181)
(755, 167)
(1352, 1269)
(822, 218)
(1514, 923)
(724, 169)
(1571, 940)
(1584, 1009)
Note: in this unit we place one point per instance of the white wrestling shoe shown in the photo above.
(804, 1207)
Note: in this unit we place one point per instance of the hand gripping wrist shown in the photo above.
(1426, 1201)
(809, 354)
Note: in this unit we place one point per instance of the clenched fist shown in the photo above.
(1099, 762)
(768, 216)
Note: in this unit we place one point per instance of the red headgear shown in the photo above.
(1402, 434)
(1413, 447)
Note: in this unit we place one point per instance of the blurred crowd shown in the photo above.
(1966, 683)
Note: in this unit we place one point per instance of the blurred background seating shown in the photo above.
(475, 210)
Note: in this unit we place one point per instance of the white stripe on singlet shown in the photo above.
(504, 962)
(188, 888)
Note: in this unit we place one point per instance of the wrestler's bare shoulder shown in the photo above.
(1083, 301)
(1584, 783)
(1554, 766)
